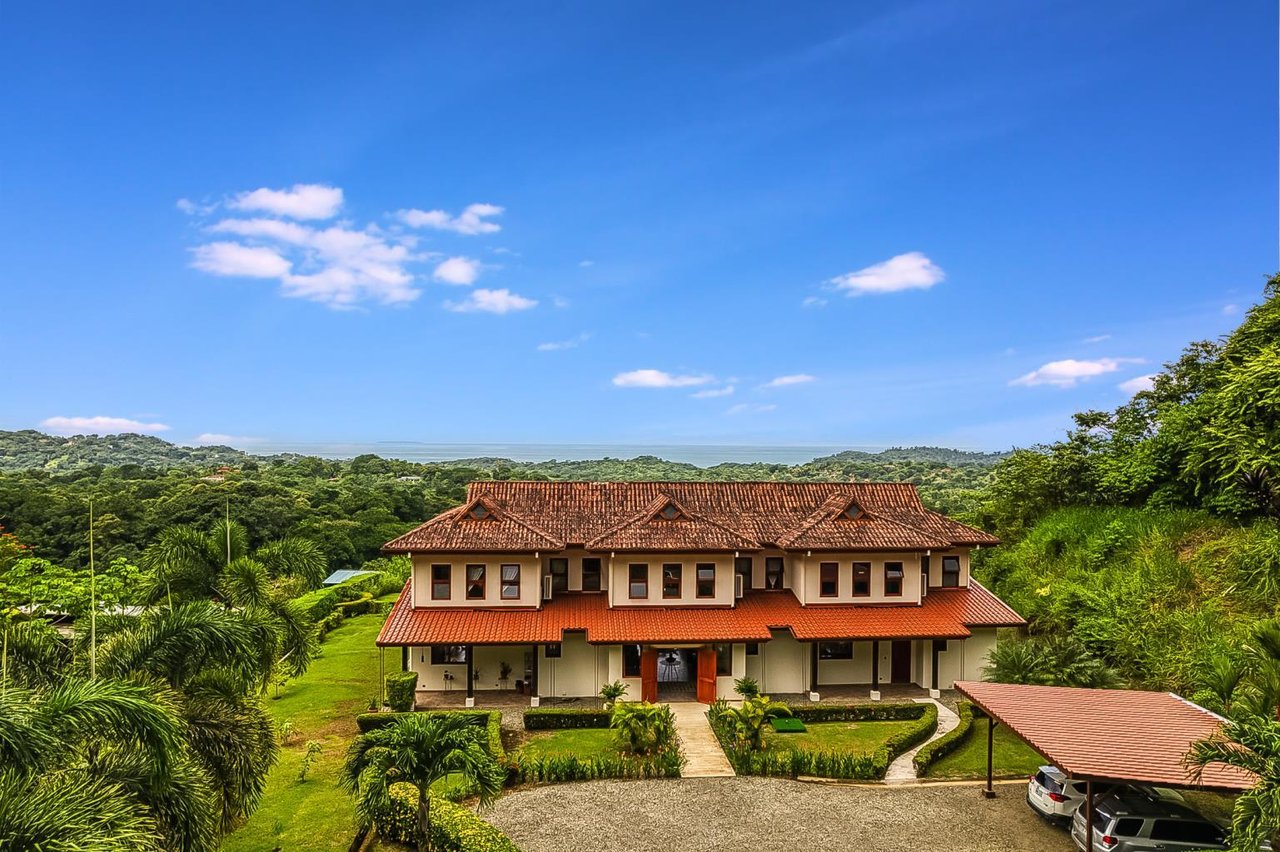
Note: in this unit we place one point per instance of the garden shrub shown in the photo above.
(875, 712)
(402, 688)
(318, 604)
(555, 718)
(931, 753)
(454, 828)
(554, 768)
(490, 720)
(361, 605)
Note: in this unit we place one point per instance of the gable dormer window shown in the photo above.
(478, 512)
(853, 512)
(670, 512)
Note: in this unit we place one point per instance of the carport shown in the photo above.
(1112, 735)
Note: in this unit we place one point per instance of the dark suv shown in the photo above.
(1145, 824)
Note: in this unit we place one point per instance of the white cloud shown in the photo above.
(712, 393)
(1230, 310)
(491, 301)
(560, 302)
(1097, 338)
(99, 425)
(813, 302)
(586, 264)
(1138, 383)
(457, 270)
(657, 379)
(234, 259)
(910, 271)
(1068, 372)
(217, 438)
(749, 408)
(571, 343)
(302, 201)
(786, 381)
(471, 221)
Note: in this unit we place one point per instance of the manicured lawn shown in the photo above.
(1011, 757)
(322, 705)
(583, 742)
(862, 737)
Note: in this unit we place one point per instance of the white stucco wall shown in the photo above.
(786, 665)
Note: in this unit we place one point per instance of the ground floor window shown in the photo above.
(835, 650)
(724, 660)
(553, 651)
(753, 649)
(445, 655)
(631, 661)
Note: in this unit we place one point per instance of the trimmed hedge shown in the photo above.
(318, 604)
(554, 768)
(827, 763)
(402, 688)
(454, 828)
(931, 753)
(556, 718)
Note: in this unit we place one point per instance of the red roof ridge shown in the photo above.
(656, 505)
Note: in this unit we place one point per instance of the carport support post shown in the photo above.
(1088, 816)
(990, 792)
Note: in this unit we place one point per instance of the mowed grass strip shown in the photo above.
(580, 742)
(855, 737)
(1011, 757)
(322, 706)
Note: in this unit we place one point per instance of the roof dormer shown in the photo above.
(670, 511)
(478, 509)
(853, 512)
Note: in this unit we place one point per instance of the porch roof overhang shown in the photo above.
(944, 614)
(1116, 735)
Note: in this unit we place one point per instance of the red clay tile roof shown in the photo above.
(719, 516)
(1109, 734)
(944, 614)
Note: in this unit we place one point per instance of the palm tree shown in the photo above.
(99, 765)
(420, 750)
(1253, 745)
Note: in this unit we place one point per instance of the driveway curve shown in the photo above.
(768, 814)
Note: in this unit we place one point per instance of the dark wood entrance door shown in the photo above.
(900, 669)
(649, 674)
(706, 675)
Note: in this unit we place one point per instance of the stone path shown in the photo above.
(903, 770)
(703, 756)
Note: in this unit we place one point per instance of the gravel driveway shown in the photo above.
(764, 814)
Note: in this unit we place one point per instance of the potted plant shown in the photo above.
(504, 674)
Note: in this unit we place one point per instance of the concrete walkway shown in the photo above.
(702, 753)
(903, 770)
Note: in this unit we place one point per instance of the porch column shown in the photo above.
(404, 658)
(933, 666)
(813, 667)
(875, 665)
(471, 675)
(533, 679)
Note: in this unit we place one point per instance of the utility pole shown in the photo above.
(93, 605)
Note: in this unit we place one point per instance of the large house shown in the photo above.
(678, 588)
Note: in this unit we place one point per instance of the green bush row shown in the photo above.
(454, 828)
(554, 768)
(874, 712)
(490, 720)
(825, 763)
(931, 753)
(550, 718)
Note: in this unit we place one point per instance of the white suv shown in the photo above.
(1056, 797)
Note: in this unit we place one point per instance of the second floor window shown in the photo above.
(773, 572)
(892, 579)
(829, 579)
(510, 582)
(742, 567)
(951, 571)
(638, 581)
(672, 575)
(475, 582)
(441, 582)
(861, 579)
(706, 581)
(590, 575)
(559, 575)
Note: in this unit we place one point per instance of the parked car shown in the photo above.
(1056, 797)
(1143, 824)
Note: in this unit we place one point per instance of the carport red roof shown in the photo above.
(1108, 734)
(944, 614)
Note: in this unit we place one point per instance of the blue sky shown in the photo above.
(862, 224)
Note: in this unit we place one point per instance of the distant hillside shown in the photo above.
(32, 450)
